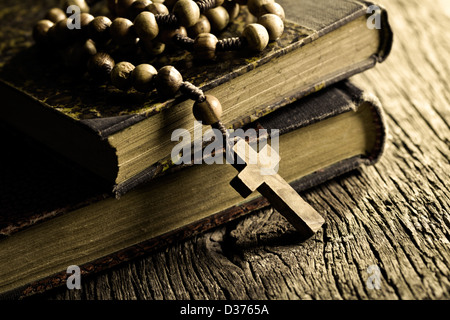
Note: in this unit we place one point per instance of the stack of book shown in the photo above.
(87, 175)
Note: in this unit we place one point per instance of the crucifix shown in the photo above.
(260, 175)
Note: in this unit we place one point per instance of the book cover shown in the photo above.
(93, 125)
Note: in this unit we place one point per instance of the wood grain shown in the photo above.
(395, 215)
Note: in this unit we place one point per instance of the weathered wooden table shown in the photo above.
(391, 220)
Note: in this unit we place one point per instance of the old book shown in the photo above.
(126, 137)
(53, 215)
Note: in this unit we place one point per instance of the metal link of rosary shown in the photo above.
(150, 19)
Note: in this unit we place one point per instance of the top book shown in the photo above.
(125, 136)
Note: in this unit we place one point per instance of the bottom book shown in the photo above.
(52, 216)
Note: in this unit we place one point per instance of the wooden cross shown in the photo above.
(261, 175)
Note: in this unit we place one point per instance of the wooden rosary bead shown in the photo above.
(273, 8)
(100, 66)
(60, 33)
(78, 54)
(232, 9)
(168, 81)
(85, 20)
(146, 26)
(205, 46)
(218, 18)
(254, 6)
(257, 36)
(140, 36)
(121, 75)
(143, 76)
(208, 111)
(273, 24)
(98, 29)
(122, 31)
(137, 7)
(187, 12)
(202, 26)
(82, 4)
(157, 8)
(55, 15)
(40, 31)
(89, 48)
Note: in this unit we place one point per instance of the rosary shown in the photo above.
(152, 26)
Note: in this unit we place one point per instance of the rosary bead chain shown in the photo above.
(205, 5)
(192, 91)
(127, 8)
(167, 81)
(146, 27)
(255, 36)
(131, 8)
(166, 20)
(229, 44)
(150, 22)
(144, 77)
(184, 41)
